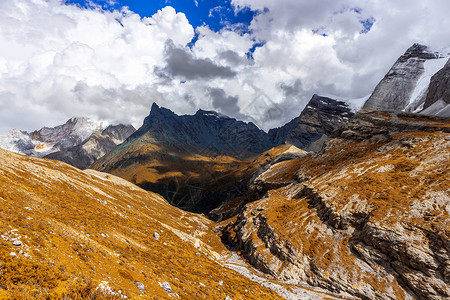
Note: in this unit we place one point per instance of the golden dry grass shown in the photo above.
(81, 228)
(404, 182)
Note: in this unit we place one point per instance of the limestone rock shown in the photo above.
(140, 286)
(166, 286)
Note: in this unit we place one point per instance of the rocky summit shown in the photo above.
(411, 83)
(204, 132)
(315, 124)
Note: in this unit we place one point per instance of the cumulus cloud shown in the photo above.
(58, 61)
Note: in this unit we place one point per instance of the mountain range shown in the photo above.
(417, 82)
(185, 157)
(79, 141)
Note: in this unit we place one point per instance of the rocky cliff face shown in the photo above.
(405, 85)
(95, 146)
(204, 132)
(367, 215)
(315, 124)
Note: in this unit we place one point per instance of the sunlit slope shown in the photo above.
(64, 231)
(193, 181)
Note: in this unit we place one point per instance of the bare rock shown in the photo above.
(17, 243)
(166, 286)
(140, 286)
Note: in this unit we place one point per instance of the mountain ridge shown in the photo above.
(79, 141)
(95, 146)
(200, 161)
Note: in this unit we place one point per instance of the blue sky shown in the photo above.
(217, 14)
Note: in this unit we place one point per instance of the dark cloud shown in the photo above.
(181, 63)
(227, 105)
(291, 90)
(233, 58)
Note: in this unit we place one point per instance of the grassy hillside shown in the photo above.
(69, 234)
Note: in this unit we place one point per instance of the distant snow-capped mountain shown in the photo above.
(79, 141)
(95, 146)
(48, 140)
(406, 87)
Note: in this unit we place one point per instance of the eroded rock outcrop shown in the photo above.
(367, 215)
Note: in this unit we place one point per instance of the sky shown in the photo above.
(255, 60)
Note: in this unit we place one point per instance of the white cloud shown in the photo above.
(58, 61)
(50, 50)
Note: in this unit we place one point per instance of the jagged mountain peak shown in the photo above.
(210, 130)
(405, 86)
(310, 130)
(419, 51)
(157, 110)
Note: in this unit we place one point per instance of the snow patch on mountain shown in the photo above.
(431, 67)
(15, 140)
(355, 104)
(49, 140)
